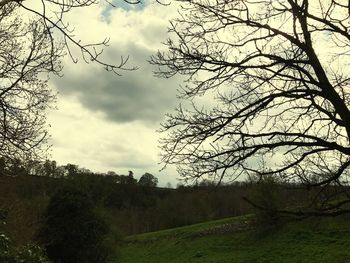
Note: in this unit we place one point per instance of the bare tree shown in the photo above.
(279, 71)
(25, 53)
(34, 36)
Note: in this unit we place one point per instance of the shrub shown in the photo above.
(27, 254)
(73, 231)
(265, 194)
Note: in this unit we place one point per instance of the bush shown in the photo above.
(25, 254)
(266, 195)
(73, 231)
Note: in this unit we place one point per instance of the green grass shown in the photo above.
(312, 240)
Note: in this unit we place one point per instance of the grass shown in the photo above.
(312, 240)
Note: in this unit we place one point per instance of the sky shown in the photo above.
(106, 122)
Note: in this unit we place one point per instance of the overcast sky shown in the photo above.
(108, 123)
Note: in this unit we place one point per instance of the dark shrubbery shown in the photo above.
(73, 231)
(265, 194)
(28, 254)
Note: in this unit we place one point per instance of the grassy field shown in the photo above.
(239, 240)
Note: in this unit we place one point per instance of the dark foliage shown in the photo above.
(148, 180)
(73, 232)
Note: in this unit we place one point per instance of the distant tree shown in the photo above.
(50, 168)
(60, 172)
(85, 171)
(131, 179)
(180, 186)
(125, 179)
(72, 169)
(148, 180)
(206, 183)
(278, 72)
(17, 168)
(111, 173)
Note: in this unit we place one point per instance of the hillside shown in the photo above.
(240, 240)
(129, 207)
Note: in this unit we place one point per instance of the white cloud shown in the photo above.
(85, 138)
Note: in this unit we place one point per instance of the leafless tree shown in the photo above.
(279, 72)
(34, 36)
(25, 54)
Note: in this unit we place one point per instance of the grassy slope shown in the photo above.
(314, 240)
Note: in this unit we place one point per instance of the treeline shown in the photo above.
(133, 206)
(16, 167)
(122, 205)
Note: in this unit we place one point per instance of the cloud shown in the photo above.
(108, 8)
(136, 96)
(82, 137)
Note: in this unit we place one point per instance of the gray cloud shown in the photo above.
(135, 96)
